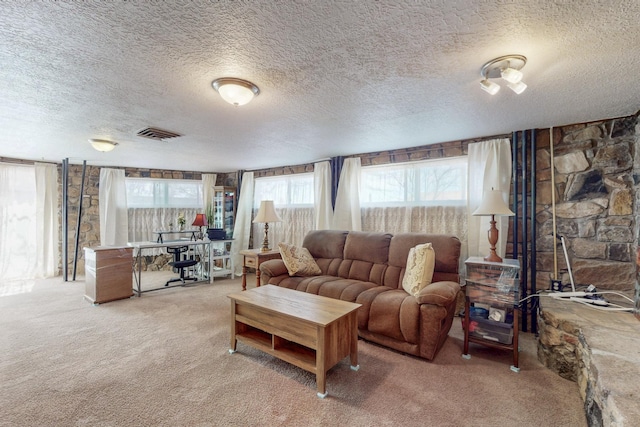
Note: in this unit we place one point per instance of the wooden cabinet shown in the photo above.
(108, 273)
(224, 210)
(491, 312)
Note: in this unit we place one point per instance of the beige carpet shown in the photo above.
(162, 360)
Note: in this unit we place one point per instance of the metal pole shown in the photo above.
(525, 238)
(65, 223)
(534, 271)
(75, 254)
(514, 189)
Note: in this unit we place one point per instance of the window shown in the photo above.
(163, 193)
(285, 190)
(430, 182)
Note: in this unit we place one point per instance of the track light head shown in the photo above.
(517, 87)
(511, 75)
(489, 87)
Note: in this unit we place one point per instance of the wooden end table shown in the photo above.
(252, 258)
(309, 331)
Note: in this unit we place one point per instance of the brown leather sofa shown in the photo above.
(368, 268)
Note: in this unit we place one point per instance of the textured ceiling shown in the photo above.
(336, 77)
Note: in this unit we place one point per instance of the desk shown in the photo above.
(160, 233)
(252, 258)
(138, 247)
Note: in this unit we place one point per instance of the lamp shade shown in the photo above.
(493, 204)
(267, 212)
(200, 220)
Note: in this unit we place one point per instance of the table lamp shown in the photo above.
(493, 204)
(200, 222)
(266, 213)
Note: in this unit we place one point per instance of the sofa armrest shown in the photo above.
(272, 268)
(439, 293)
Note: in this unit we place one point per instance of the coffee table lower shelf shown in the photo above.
(296, 354)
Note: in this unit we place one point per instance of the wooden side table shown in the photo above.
(252, 258)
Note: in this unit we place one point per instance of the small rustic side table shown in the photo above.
(252, 258)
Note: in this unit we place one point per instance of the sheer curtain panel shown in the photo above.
(323, 211)
(17, 224)
(346, 214)
(47, 236)
(489, 167)
(242, 227)
(114, 224)
(208, 185)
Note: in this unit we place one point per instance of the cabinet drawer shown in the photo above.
(250, 261)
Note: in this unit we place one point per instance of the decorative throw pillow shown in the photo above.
(298, 261)
(419, 271)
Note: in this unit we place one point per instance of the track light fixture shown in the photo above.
(506, 67)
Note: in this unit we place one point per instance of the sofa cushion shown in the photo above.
(327, 244)
(368, 247)
(419, 271)
(298, 261)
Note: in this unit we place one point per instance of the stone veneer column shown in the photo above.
(596, 175)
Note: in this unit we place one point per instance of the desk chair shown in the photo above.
(181, 265)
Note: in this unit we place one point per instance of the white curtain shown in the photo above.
(112, 195)
(143, 222)
(346, 215)
(208, 189)
(17, 225)
(489, 167)
(295, 224)
(242, 227)
(419, 219)
(323, 212)
(46, 219)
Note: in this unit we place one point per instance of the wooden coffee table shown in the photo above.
(309, 331)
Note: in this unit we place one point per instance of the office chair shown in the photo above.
(181, 265)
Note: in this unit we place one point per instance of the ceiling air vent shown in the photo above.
(158, 134)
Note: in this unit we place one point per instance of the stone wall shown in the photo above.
(595, 179)
(598, 350)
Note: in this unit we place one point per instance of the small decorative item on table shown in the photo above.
(181, 221)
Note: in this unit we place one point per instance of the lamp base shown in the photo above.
(493, 257)
(493, 239)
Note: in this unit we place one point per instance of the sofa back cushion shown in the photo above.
(325, 243)
(327, 247)
(368, 254)
(447, 251)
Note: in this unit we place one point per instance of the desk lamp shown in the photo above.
(493, 204)
(266, 213)
(200, 222)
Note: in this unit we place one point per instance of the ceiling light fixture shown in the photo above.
(508, 68)
(235, 91)
(103, 145)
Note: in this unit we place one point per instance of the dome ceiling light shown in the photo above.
(103, 145)
(235, 91)
(506, 67)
